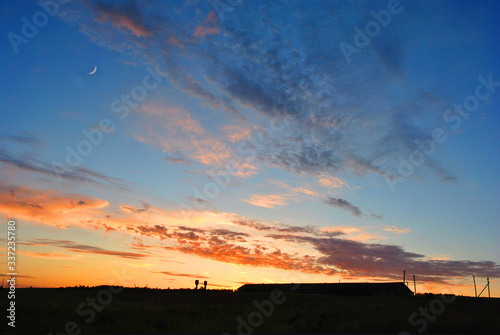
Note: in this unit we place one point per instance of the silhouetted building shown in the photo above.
(367, 289)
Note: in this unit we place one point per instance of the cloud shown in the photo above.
(126, 16)
(80, 248)
(156, 231)
(229, 234)
(5, 275)
(284, 228)
(344, 230)
(175, 274)
(343, 204)
(133, 209)
(18, 151)
(294, 194)
(178, 160)
(358, 259)
(267, 201)
(229, 238)
(331, 182)
(202, 203)
(397, 230)
(211, 20)
(236, 133)
(22, 137)
(175, 131)
(336, 118)
(340, 117)
(49, 206)
(231, 246)
(49, 255)
(221, 250)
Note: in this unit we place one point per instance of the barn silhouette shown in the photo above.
(360, 289)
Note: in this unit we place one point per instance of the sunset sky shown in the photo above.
(240, 141)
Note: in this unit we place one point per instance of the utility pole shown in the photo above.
(414, 285)
(488, 279)
(404, 276)
(487, 286)
(475, 290)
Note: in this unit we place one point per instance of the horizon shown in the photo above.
(251, 141)
(216, 288)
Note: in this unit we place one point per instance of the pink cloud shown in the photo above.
(128, 18)
(267, 201)
(397, 230)
(212, 21)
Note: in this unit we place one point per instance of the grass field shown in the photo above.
(65, 311)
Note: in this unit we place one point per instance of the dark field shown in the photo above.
(136, 311)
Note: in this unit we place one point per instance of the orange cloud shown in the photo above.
(292, 194)
(174, 131)
(306, 191)
(236, 133)
(331, 182)
(397, 230)
(353, 233)
(77, 248)
(48, 206)
(49, 255)
(362, 237)
(440, 258)
(344, 230)
(229, 238)
(175, 118)
(267, 201)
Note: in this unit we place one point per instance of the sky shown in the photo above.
(152, 143)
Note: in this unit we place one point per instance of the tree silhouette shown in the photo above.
(196, 282)
(205, 284)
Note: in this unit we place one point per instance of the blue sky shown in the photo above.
(250, 143)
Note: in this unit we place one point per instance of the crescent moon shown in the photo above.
(94, 70)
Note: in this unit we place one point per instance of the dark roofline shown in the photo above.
(333, 284)
(391, 288)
